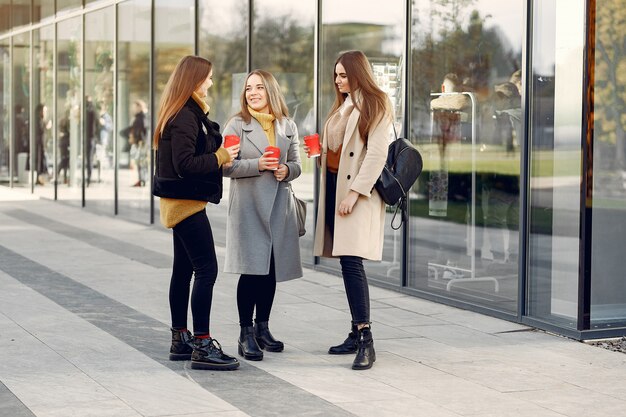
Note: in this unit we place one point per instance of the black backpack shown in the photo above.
(404, 164)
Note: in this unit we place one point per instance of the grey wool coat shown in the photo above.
(261, 212)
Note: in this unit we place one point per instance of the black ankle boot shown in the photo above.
(248, 347)
(208, 354)
(182, 345)
(265, 339)
(365, 355)
(348, 346)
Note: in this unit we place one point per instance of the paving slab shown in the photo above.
(84, 332)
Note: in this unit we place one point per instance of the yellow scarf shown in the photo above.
(267, 123)
(205, 107)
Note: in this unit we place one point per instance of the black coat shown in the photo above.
(186, 164)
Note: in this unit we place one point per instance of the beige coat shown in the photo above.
(360, 233)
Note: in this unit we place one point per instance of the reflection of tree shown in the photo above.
(283, 46)
(610, 83)
(372, 39)
(472, 51)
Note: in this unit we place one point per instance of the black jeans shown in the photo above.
(352, 271)
(259, 291)
(194, 254)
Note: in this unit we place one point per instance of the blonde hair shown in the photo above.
(374, 105)
(275, 98)
(189, 74)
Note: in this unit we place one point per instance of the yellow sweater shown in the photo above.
(267, 123)
(174, 210)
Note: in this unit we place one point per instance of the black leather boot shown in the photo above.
(248, 347)
(365, 355)
(348, 346)
(265, 339)
(207, 354)
(182, 345)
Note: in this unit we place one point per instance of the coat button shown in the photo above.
(351, 153)
(348, 176)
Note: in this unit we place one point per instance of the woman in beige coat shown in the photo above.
(350, 223)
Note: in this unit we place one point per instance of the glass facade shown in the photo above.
(608, 221)
(516, 107)
(133, 104)
(381, 36)
(466, 119)
(555, 146)
(98, 109)
(43, 102)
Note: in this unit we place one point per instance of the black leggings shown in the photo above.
(194, 254)
(352, 271)
(259, 291)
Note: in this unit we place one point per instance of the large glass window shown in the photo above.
(21, 115)
(20, 13)
(5, 109)
(133, 87)
(282, 43)
(557, 54)
(223, 38)
(608, 286)
(223, 35)
(98, 105)
(378, 32)
(5, 16)
(43, 102)
(69, 111)
(466, 120)
(42, 10)
(68, 5)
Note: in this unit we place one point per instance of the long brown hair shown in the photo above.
(374, 103)
(189, 74)
(275, 98)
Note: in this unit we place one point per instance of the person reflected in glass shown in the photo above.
(262, 241)
(21, 137)
(91, 132)
(136, 134)
(42, 125)
(351, 213)
(189, 163)
(64, 146)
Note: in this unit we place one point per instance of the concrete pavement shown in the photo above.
(84, 332)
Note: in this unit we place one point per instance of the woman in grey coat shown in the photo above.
(262, 232)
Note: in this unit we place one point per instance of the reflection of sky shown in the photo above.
(389, 12)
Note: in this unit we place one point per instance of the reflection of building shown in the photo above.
(492, 228)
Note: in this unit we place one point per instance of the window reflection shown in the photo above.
(4, 110)
(43, 99)
(98, 126)
(378, 32)
(466, 120)
(133, 89)
(69, 111)
(608, 290)
(555, 161)
(22, 156)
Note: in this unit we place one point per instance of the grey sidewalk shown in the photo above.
(84, 332)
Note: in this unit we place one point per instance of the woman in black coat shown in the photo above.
(188, 175)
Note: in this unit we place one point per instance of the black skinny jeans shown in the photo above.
(194, 253)
(354, 278)
(259, 291)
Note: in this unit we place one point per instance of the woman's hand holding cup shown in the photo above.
(268, 161)
(312, 145)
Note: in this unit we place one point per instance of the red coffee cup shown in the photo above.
(231, 140)
(313, 142)
(275, 154)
